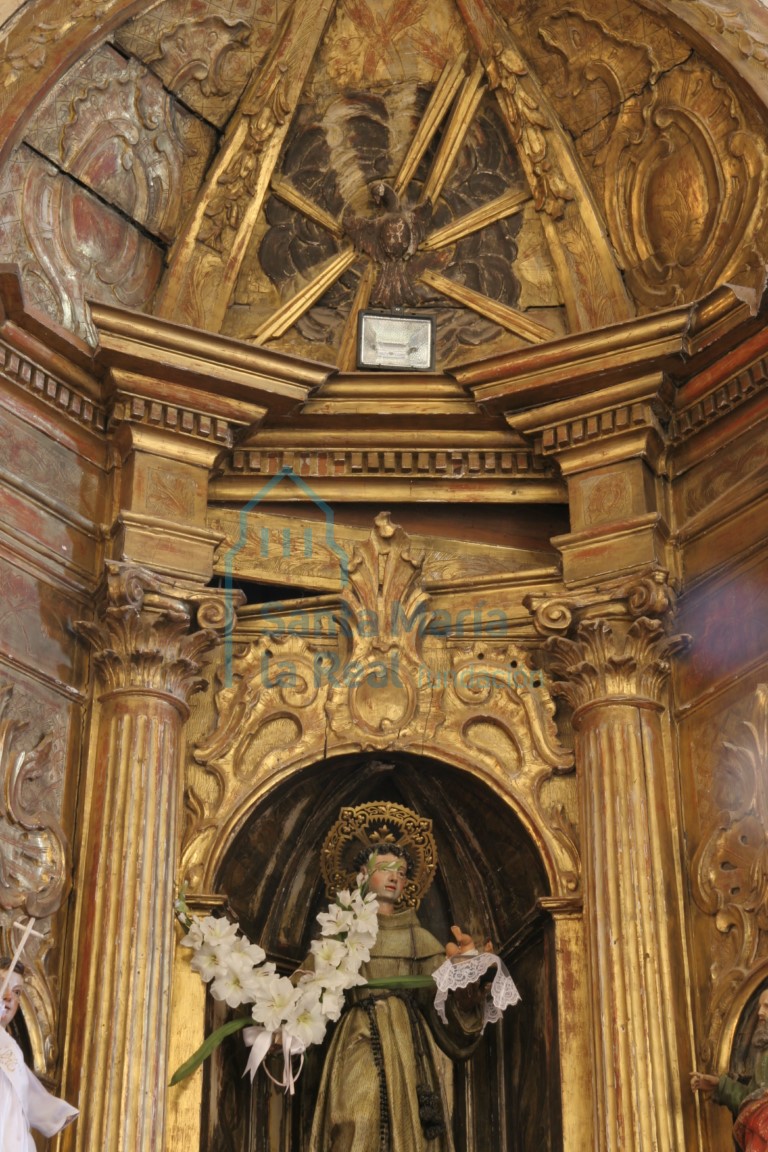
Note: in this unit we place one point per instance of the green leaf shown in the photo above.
(402, 982)
(209, 1045)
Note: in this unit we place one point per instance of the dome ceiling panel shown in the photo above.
(374, 45)
(615, 163)
(203, 51)
(344, 154)
(69, 246)
(112, 126)
(231, 201)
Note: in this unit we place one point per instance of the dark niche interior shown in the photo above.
(490, 878)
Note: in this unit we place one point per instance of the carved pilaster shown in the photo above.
(613, 667)
(147, 660)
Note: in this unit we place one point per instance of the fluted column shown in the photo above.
(147, 664)
(614, 670)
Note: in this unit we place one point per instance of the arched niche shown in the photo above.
(490, 880)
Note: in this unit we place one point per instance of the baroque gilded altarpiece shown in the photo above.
(244, 584)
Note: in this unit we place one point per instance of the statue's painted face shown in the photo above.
(387, 877)
(11, 997)
(762, 1006)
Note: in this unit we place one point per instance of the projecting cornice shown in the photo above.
(202, 362)
(679, 341)
(633, 390)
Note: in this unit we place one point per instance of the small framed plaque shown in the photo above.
(396, 342)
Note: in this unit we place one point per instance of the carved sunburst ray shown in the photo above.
(462, 94)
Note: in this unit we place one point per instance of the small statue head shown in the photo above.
(760, 1034)
(12, 995)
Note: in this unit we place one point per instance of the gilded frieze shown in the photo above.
(302, 552)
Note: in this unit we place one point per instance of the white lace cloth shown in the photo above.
(501, 993)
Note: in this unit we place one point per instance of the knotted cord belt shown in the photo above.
(430, 1108)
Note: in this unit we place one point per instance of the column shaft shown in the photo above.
(146, 658)
(130, 875)
(630, 920)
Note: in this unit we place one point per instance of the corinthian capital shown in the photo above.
(152, 633)
(604, 662)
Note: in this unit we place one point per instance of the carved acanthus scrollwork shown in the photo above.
(143, 638)
(736, 24)
(601, 71)
(600, 664)
(375, 677)
(35, 855)
(238, 183)
(619, 644)
(730, 868)
(529, 125)
(645, 595)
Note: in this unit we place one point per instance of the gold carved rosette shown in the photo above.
(147, 643)
(611, 652)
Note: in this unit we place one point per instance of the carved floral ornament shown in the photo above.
(370, 682)
(35, 857)
(730, 870)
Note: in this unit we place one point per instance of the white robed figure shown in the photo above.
(24, 1102)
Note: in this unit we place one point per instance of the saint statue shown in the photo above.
(382, 1089)
(748, 1101)
(24, 1102)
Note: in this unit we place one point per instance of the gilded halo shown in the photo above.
(375, 826)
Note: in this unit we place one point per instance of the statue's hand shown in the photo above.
(704, 1083)
(464, 944)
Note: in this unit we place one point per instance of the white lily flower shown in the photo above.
(194, 937)
(325, 979)
(218, 930)
(207, 962)
(332, 1004)
(233, 983)
(243, 947)
(306, 1020)
(330, 951)
(277, 998)
(363, 903)
(357, 952)
(335, 921)
(365, 930)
